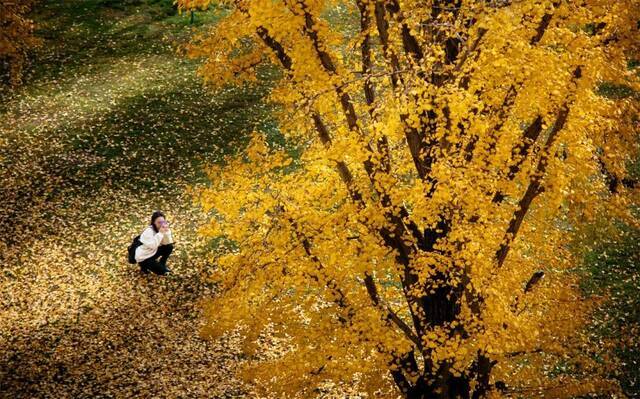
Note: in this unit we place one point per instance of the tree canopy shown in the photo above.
(412, 232)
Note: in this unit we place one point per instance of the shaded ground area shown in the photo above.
(110, 125)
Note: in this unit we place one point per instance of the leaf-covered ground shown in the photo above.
(110, 124)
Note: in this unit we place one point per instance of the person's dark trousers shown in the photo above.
(155, 265)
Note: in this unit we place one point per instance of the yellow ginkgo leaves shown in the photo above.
(441, 156)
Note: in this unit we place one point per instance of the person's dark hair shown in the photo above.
(154, 216)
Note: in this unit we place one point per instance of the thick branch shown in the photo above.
(392, 238)
(535, 278)
(409, 42)
(382, 26)
(470, 49)
(321, 128)
(365, 50)
(534, 188)
(340, 298)
(537, 37)
(372, 290)
(274, 45)
(382, 144)
(613, 182)
(520, 152)
(329, 66)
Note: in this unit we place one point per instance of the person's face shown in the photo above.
(158, 222)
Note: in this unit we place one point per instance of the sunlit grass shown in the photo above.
(110, 125)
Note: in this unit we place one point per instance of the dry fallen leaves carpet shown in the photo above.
(110, 125)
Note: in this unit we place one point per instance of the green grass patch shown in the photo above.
(613, 269)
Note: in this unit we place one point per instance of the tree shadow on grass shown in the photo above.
(149, 144)
(80, 37)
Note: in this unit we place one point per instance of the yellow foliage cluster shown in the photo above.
(16, 36)
(447, 154)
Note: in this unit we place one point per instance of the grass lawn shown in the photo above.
(111, 124)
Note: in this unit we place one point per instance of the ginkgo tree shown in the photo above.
(415, 238)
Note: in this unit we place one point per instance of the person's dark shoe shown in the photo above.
(165, 269)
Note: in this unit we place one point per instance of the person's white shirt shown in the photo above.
(150, 242)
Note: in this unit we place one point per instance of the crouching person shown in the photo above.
(157, 245)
